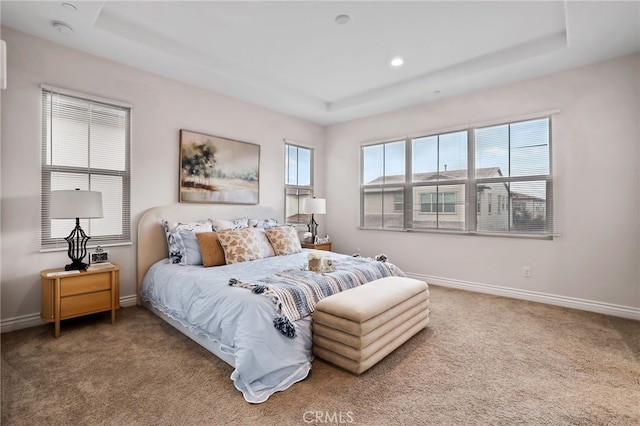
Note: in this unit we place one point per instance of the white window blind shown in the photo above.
(521, 151)
(85, 145)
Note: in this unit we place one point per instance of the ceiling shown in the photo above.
(294, 57)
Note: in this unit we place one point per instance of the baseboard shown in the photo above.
(533, 296)
(128, 301)
(33, 320)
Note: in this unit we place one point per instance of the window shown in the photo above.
(439, 165)
(398, 203)
(298, 162)
(427, 203)
(521, 153)
(85, 145)
(438, 203)
(383, 181)
(506, 168)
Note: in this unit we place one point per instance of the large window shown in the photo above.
(503, 172)
(85, 145)
(298, 162)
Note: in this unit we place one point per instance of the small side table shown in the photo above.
(74, 295)
(323, 246)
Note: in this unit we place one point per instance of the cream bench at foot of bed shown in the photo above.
(356, 328)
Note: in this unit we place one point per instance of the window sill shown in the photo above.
(465, 233)
(65, 248)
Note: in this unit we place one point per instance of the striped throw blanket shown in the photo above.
(295, 292)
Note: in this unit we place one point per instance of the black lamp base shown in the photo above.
(77, 240)
(76, 266)
(312, 226)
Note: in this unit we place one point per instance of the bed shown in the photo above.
(233, 310)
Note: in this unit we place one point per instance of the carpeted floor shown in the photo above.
(484, 360)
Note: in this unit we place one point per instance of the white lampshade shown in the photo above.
(314, 205)
(73, 204)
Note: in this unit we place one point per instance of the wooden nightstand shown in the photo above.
(323, 246)
(74, 295)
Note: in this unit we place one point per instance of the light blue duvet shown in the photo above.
(240, 321)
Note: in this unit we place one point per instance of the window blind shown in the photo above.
(521, 152)
(86, 145)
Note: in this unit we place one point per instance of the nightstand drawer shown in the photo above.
(85, 303)
(84, 283)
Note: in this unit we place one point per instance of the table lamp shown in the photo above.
(314, 206)
(70, 204)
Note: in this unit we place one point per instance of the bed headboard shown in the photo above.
(152, 242)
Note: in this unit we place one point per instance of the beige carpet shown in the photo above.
(483, 360)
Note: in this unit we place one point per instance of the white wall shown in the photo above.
(596, 140)
(161, 107)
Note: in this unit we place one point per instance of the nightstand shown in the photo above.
(74, 295)
(323, 246)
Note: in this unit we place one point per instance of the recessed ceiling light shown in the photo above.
(342, 19)
(396, 62)
(62, 28)
(70, 7)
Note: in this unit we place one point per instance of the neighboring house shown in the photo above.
(528, 211)
(492, 202)
(437, 206)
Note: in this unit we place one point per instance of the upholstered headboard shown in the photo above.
(152, 242)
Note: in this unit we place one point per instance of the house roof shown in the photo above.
(520, 196)
(482, 173)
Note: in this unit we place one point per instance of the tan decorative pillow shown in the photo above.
(284, 240)
(239, 245)
(210, 249)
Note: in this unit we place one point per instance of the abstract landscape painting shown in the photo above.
(218, 170)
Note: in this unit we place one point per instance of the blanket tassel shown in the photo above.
(284, 326)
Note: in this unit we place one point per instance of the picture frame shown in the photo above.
(218, 170)
(99, 256)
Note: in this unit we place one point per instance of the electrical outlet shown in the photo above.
(526, 271)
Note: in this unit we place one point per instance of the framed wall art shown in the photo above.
(218, 170)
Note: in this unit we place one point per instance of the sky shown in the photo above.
(518, 149)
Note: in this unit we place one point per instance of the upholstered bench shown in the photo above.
(356, 328)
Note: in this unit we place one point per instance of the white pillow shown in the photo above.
(266, 249)
(189, 247)
(262, 223)
(175, 244)
(222, 224)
